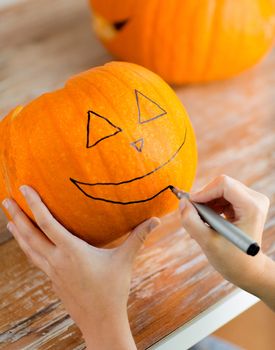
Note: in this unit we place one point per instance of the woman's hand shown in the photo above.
(248, 210)
(93, 283)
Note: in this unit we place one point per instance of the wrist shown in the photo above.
(264, 285)
(253, 278)
(112, 332)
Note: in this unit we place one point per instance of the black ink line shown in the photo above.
(119, 25)
(139, 114)
(103, 138)
(79, 183)
(139, 177)
(117, 202)
(135, 144)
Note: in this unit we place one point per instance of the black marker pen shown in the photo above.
(231, 232)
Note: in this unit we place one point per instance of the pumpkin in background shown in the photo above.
(101, 151)
(187, 40)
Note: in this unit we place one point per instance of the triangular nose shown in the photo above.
(138, 144)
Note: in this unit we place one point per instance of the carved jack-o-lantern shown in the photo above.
(102, 151)
(187, 40)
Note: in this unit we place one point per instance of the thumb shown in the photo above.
(137, 237)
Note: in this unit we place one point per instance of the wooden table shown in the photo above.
(176, 296)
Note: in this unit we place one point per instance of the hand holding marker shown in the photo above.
(231, 232)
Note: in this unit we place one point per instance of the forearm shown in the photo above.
(264, 285)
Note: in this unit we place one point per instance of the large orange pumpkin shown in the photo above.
(187, 40)
(101, 151)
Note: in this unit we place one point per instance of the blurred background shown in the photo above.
(40, 50)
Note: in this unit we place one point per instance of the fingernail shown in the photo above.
(9, 227)
(24, 190)
(6, 203)
(193, 193)
(154, 223)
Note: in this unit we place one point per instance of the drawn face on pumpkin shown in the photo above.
(106, 147)
(140, 148)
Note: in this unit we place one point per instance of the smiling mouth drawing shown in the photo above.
(87, 188)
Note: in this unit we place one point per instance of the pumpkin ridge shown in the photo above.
(5, 126)
(105, 71)
(212, 42)
(51, 193)
(104, 163)
(87, 82)
(74, 84)
(69, 93)
(141, 176)
(151, 41)
(52, 152)
(193, 48)
(189, 39)
(169, 57)
(2, 161)
(159, 91)
(241, 38)
(155, 28)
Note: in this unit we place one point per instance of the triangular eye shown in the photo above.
(99, 128)
(148, 110)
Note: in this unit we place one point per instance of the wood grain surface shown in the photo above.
(41, 45)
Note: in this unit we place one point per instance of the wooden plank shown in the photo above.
(5, 235)
(40, 47)
(208, 321)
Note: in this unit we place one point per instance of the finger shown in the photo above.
(222, 206)
(32, 236)
(194, 225)
(37, 259)
(263, 200)
(137, 237)
(222, 186)
(44, 219)
(228, 188)
(218, 203)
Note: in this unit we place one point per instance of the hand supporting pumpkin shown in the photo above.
(248, 210)
(93, 283)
